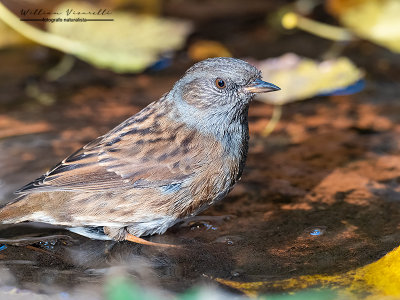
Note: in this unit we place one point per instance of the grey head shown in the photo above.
(218, 90)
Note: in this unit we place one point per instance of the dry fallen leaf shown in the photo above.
(300, 78)
(375, 20)
(8, 36)
(130, 43)
(380, 279)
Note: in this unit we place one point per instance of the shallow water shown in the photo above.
(319, 196)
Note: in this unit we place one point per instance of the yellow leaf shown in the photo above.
(375, 20)
(300, 78)
(380, 278)
(130, 43)
(337, 7)
(9, 37)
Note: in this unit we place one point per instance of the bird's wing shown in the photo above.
(141, 152)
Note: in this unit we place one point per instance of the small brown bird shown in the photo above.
(168, 162)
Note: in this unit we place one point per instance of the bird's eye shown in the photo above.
(220, 83)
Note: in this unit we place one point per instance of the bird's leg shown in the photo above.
(138, 240)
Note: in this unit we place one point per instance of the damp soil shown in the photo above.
(321, 194)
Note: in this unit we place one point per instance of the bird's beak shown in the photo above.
(259, 86)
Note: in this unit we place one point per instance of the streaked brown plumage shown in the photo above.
(171, 160)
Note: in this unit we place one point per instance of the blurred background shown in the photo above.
(318, 203)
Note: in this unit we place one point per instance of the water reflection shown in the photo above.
(68, 260)
(316, 231)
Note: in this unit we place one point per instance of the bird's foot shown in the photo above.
(138, 240)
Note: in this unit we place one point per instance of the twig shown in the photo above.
(276, 116)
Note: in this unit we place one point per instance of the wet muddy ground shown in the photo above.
(320, 195)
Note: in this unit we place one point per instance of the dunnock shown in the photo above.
(168, 162)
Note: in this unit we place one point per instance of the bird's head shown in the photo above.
(218, 91)
(222, 82)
